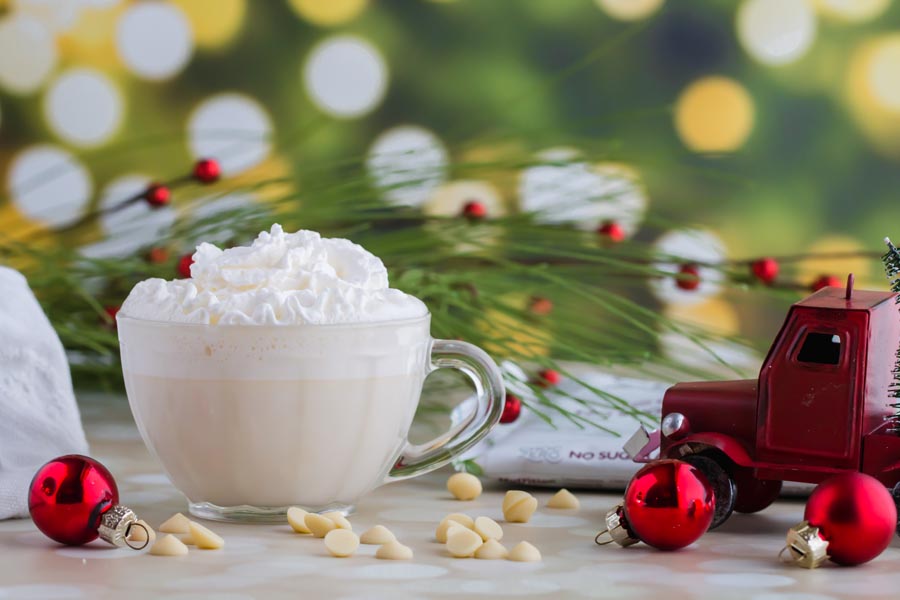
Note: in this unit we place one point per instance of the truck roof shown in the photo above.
(834, 297)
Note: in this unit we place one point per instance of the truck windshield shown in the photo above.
(820, 348)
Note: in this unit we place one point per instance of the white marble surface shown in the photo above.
(269, 561)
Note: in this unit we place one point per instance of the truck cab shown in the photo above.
(820, 406)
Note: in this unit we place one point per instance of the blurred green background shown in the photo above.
(773, 123)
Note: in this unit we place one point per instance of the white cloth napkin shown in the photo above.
(39, 418)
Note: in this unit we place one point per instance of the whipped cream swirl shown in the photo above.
(280, 279)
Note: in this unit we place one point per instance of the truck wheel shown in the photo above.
(721, 482)
(754, 494)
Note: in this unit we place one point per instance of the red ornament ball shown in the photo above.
(825, 281)
(855, 514)
(511, 409)
(612, 231)
(688, 278)
(669, 504)
(184, 265)
(207, 170)
(765, 269)
(67, 497)
(548, 377)
(474, 210)
(158, 195)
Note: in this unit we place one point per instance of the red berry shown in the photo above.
(826, 281)
(765, 269)
(511, 409)
(158, 195)
(207, 170)
(612, 231)
(688, 277)
(111, 312)
(184, 265)
(549, 377)
(474, 210)
(157, 255)
(541, 306)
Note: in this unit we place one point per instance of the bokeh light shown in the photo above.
(873, 91)
(215, 23)
(56, 15)
(563, 188)
(232, 128)
(407, 163)
(328, 13)
(130, 227)
(450, 199)
(48, 185)
(27, 53)
(154, 40)
(714, 114)
(689, 246)
(853, 11)
(345, 76)
(629, 10)
(83, 107)
(776, 32)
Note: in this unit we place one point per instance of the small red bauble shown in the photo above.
(688, 277)
(548, 377)
(207, 170)
(825, 281)
(157, 255)
(474, 210)
(511, 409)
(612, 231)
(184, 265)
(669, 504)
(765, 269)
(541, 306)
(158, 195)
(68, 496)
(854, 514)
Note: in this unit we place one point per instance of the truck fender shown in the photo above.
(698, 442)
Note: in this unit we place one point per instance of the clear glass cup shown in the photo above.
(249, 420)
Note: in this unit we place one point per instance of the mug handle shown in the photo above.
(417, 459)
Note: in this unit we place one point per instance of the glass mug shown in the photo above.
(248, 420)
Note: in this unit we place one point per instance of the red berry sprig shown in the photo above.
(765, 269)
(511, 409)
(612, 231)
(688, 277)
(207, 170)
(110, 313)
(158, 195)
(474, 210)
(548, 378)
(157, 255)
(540, 306)
(184, 265)
(825, 281)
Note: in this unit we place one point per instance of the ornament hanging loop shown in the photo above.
(128, 541)
(600, 535)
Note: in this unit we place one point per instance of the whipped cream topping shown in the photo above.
(280, 279)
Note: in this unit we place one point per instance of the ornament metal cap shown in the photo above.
(805, 546)
(116, 525)
(616, 529)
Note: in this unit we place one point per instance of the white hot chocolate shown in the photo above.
(282, 373)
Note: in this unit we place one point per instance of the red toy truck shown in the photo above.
(822, 405)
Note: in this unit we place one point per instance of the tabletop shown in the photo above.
(738, 560)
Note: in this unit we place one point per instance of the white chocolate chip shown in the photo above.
(464, 486)
(339, 519)
(462, 542)
(488, 529)
(204, 538)
(491, 550)
(524, 552)
(168, 545)
(520, 508)
(140, 532)
(466, 521)
(295, 518)
(394, 551)
(319, 525)
(564, 499)
(341, 542)
(377, 536)
(177, 523)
